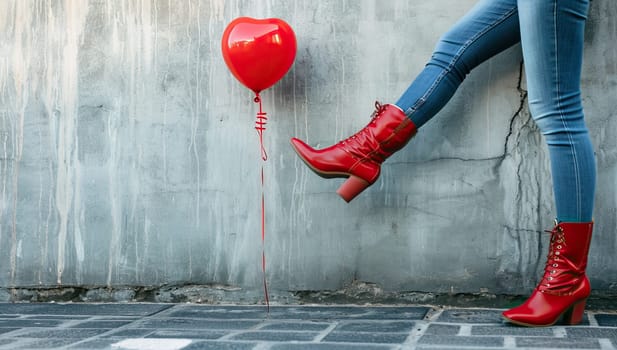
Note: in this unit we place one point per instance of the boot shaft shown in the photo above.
(564, 287)
(388, 131)
(567, 258)
(577, 240)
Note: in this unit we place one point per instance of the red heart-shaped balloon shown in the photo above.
(258, 52)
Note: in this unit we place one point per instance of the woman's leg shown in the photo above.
(490, 27)
(552, 40)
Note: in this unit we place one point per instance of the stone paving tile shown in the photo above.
(295, 326)
(330, 346)
(353, 312)
(100, 324)
(82, 309)
(220, 309)
(376, 327)
(442, 329)
(62, 333)
(461, 341)
(360, 337)
(583, 332)
(275, 336)
(470, 316)
(6, 342)
(482, 316)
(607, 320)
(512, 330)
(225, 313)
(187, 334)
(94, 344)
(453, 347)
(559, 343)
(6, 330)
(191, 323)
(29, 323)
(45, 343)
(128, 333)
(116, 318)
(12, 344)
(57, 317)
(204, 345)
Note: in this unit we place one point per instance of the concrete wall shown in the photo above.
(128, 155)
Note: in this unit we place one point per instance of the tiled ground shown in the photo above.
(185, 326)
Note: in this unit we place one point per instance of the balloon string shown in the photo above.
(260, 126)
(263, 240)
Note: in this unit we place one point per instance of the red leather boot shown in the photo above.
(564, 287)
(359, 157)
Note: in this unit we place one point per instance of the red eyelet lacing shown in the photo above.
(553, 260)
(379, 109)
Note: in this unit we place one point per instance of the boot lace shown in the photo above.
(379, 109)
(554, 261)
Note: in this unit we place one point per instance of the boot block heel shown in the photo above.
(352, 187)
(575, 314)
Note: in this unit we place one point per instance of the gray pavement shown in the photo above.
(191, 326)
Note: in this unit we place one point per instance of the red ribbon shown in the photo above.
(260, 126)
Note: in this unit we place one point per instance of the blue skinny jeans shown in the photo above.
(551, 37)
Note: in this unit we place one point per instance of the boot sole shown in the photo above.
(572, 316)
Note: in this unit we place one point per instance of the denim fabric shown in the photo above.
(551, 36)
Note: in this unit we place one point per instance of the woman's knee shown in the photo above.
(558, 115)
(448, 55)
